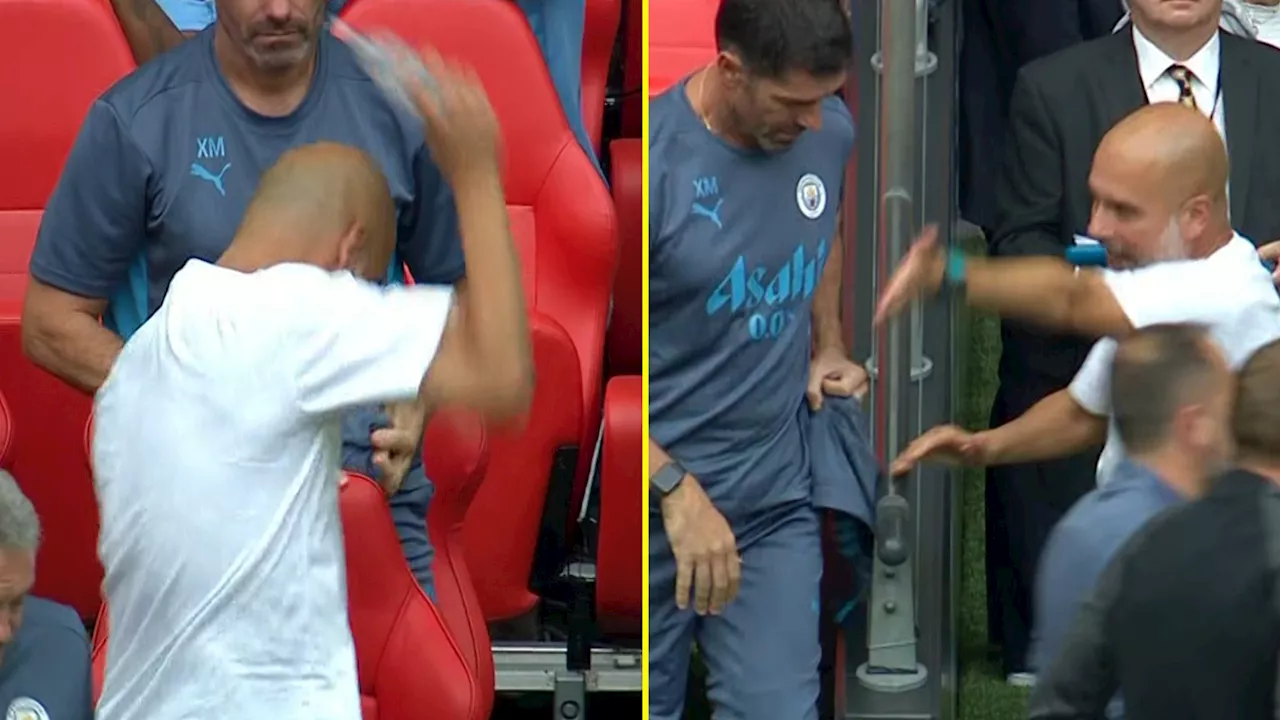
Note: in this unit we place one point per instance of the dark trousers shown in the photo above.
(1023, 503)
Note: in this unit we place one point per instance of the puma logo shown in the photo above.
(216, 180)
(713, 214)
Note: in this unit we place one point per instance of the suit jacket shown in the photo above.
(1062, 105)
(999, 38)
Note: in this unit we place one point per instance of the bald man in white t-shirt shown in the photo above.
(1159, 185)
(217, 433)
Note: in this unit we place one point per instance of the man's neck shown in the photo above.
(272, 95)
(707, 97)
(1180, 43)
(263, 249)
(1184, 474)
(1213, 242)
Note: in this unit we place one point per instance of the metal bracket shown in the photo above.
(891, 664)
(926, 62)
(919, 372)
(570, 696)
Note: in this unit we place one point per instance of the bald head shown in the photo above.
(324, 203)
(1179, 148)
(1159, 185)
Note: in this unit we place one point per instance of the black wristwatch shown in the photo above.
(668, 478)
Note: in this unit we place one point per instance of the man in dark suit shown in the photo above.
(1000, 37)
(1062, 105)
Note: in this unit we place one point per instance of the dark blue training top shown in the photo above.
(737, 244)
(45, 673)
(1082, 545)
(167, 161)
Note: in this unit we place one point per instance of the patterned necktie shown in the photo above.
(1182, 76)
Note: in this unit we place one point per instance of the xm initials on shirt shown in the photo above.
(167, 161)
(737, 244)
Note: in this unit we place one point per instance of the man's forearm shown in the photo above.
(496, 317)
(828, 333)
(658, 458)
(1046, 291)
(147, 28)
(79, 350)
(1053, 428)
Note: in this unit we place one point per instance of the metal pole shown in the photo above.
(892, 664)
(897, 178)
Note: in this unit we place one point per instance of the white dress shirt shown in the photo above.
(1205, 66)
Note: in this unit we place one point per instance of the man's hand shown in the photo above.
(1271, 253)
(947, 444)
(462, 131)
(706, 551)
(920, 272)
(394, 446)
(831, 372)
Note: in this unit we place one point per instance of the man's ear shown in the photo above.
(350, 249)
(732, 71)
(1195, 215)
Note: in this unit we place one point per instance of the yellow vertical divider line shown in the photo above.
(644, 325)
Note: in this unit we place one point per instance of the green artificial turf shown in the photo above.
(983, 693)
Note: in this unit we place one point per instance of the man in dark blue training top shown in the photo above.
(44, 652)
(162, 171)
(747, 162)
(1171, 393)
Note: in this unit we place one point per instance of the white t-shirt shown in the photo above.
(1229, 292)
(216, 463)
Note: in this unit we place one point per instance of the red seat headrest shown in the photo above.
(58, 56)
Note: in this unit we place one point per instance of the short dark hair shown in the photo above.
(776, 37)
(1255, 420)
(1157, 370)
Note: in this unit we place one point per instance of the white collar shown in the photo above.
(1153, 63)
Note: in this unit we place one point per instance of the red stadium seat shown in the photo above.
(600, 34)
(619, 595)
(49, 465)
(6, 433)
(505, 520)
(626, 328)
(456, 457)
(682, 39)
(17, 239)
(563, 221)
(59, 56)
(409, 665)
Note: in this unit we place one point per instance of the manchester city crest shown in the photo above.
(811, 196)
(25, 708)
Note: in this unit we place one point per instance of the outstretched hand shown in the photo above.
(920, 272)
(947, 444)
